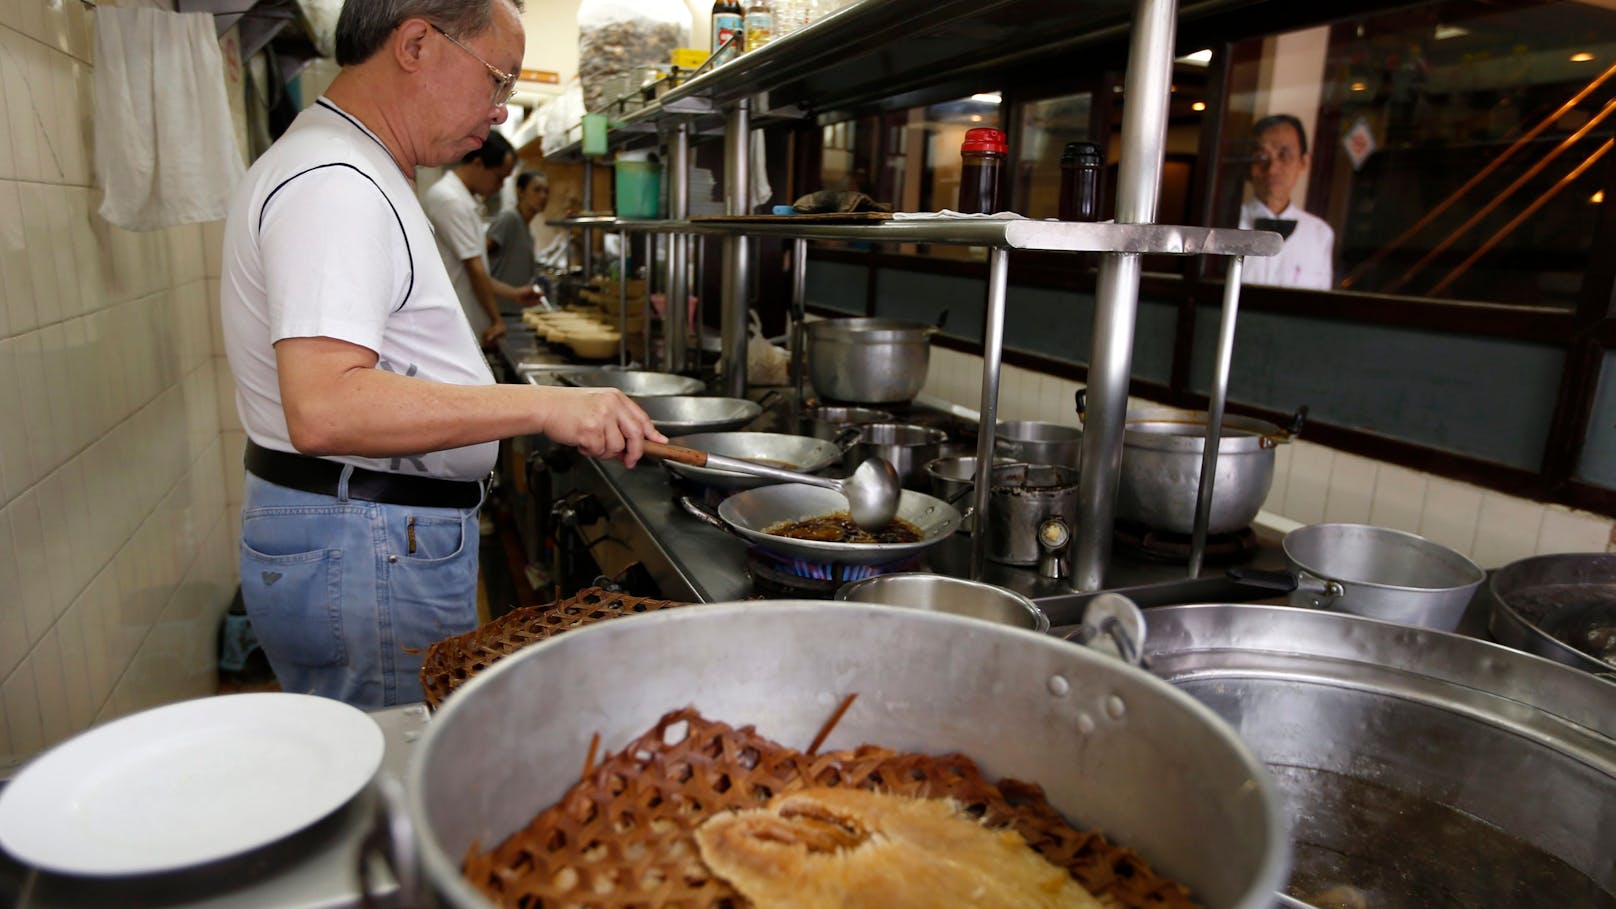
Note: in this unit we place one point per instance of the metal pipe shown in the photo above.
(1214, 412)
(645, 304)
(1144, 142)
(737, 259)
(988, 419)
(673, 324)
(799, 306)
(622, 298)
(589, 206)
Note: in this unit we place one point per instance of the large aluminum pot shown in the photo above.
(828, 422)
(868, 361)
(1036, 442)
(1114, 748)
(955, 596)
(1161, 469)
(1419, 768)
(1558, 606)
(1022, 498)
(906, 446)
(1381, 573)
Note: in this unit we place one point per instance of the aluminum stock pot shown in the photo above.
(1420, 768)
(1113, 748)
(868, 361)
(1381, 573)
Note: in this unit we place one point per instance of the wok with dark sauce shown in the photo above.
(839, 528)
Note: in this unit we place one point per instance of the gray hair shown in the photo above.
(363, 26)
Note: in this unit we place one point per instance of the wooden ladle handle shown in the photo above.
(676, 453)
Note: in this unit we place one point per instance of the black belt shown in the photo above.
(317, 475)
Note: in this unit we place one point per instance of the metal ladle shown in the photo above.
(871, 492)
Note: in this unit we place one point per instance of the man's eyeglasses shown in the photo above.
(504, 83)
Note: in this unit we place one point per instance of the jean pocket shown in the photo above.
(294, 599)
(432, 587)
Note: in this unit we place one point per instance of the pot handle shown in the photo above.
(1321, 592)
(1081, 399)
(847, 437)
(1298, 419)
(769, 398)
(391, 841)
(705, 516)
(1116, 621)
(936, 327)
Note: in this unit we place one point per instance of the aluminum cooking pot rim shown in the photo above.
(933, 435)
(1557, 650)
(819, 501)
(1459, 559)
(1040, 619)
(443, 870)
(865, 330)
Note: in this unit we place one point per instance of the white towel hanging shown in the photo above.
(165, 148)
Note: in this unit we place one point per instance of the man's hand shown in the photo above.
(600, 422)
(493, 332)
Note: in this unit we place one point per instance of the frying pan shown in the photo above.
(1558, 606)
(748, 514)
(776, 449)
(677, 414)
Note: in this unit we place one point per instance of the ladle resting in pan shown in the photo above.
(871, 492)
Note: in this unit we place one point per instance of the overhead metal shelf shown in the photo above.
(1024, 234)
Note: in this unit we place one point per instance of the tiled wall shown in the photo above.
(115, 557)
(1314, 484)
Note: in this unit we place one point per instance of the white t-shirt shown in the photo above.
(1306, 259)
(459, 229)
(325, 238)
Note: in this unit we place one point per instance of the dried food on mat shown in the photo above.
(625, 835)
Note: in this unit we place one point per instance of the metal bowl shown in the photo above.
(1113, 748)
(636, 383)
(681, 414)
(955, 596)
(775, 449)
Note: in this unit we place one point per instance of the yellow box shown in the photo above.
(688, 57)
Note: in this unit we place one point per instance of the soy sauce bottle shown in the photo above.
(1080, 182)
(982, 156)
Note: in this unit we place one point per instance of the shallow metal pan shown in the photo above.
(752, 512)
(682, 414)
(776, 449)
(1558, 606)
(636, 383)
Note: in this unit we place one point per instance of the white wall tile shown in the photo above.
(59, 202)
(50, 687)
(16, 465)
(1399, 498)
(213, 249)
(8, 161)
(42, 102)
(14, 639)
(1506, 530)
(1309, 485)
(27, 537)
(58, 564)
(16, 274)
(1352, 490)
(53, 359)
(81, 705)
(19, 696)
(1275, 502)
(22, 125)
(41, 255)
(1564, 530)
(232, 446)
(1450, 513)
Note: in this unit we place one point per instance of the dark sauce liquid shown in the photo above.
(839, 528)
(979, 187)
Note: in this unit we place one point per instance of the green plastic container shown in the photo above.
(639, 189)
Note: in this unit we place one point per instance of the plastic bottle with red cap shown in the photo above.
(982, 156)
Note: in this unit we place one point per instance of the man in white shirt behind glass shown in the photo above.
(1279, 160)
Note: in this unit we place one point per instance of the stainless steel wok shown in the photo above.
(636, 383)
(749, 514)
(1420, 768)
(1112, 747)
(681, 414)
(799, 453)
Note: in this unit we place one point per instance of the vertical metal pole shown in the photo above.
(673, 322)
(622, 297)
(799, 305)
(1214, 413)
(589, 208)
(992, 357)
(1144, 141)
(699, 245)
(645, 302)
(737, 259)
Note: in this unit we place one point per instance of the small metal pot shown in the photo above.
(826, 422)
(868, 361)
(1036, 442)
(1022, 498)
(955, 596)
(1382, 574)
(952, 477)
(906, 446)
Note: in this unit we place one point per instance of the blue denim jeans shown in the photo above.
(345, 595)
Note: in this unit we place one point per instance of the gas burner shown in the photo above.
(1229, 548)
(774, 574)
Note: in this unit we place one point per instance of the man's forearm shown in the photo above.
(483, 286)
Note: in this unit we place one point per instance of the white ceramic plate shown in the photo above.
(188, 783)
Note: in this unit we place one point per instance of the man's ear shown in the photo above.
(409, 43)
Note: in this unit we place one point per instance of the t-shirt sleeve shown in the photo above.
(336, 258)
(457, 225)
